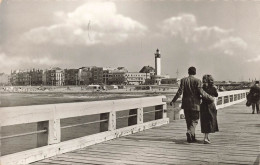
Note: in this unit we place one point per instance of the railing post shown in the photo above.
(164, 111)
(216, 101)
(54, 131)
(112, 121)
(140, 115)
(223, 100)
(53, 134)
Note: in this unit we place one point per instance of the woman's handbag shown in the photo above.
(249, 99)
(248, 103)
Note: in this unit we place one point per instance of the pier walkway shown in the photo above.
(238, 142)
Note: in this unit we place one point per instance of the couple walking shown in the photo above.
(254, 97)
(193, 90)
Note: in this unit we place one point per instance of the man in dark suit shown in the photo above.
(191, 88)
(255, 94)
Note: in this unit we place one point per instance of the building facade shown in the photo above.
(114, 75)
(55, 77)
(71, 77)
(28, 77)
(169, 81)
(136, 78)
(116, 78)
(85, 76)
(97, 75)
(35, 77)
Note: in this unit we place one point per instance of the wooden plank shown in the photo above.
(228, 150)
(166, 156)
(140, 158)
(106, 160)
(161, 151)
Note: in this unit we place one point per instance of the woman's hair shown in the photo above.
(205, 79)
(208, 79)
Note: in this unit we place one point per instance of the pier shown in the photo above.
(158, 141)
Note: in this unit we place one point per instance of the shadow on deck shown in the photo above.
(238, 142)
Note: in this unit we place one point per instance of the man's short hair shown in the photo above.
(192, 70)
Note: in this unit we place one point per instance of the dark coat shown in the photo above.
(254, 94)
(191, 88)
(208, 112)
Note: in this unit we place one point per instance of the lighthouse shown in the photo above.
(157, 63)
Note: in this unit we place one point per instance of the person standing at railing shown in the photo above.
(191, 88)
(255, 97)
(208, 111)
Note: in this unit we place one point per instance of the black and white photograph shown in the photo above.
(129, 82)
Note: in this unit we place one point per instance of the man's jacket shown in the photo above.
(255, 94)
(191, 88)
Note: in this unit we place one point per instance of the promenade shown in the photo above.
(238, 142)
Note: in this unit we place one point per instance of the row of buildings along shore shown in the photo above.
(83, 76)
(88, 75)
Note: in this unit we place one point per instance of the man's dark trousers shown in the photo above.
(255, 106)
(192, 118)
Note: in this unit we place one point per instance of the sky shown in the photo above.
(220, 38)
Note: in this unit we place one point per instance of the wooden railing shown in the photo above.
(224, 99)
(228, 98)
(48, 119)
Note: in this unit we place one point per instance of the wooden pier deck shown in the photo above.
(238, 142)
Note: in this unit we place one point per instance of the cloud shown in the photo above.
(256, 59)
(9, 63)
(182, 26)
(230, 45)
(44, 61)
(89, 24)
(205, 33)
(186, 27)
(200, 38)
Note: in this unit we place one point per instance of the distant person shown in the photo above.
(255, 97)
(208, 111)
(191, 88)
(221, 88)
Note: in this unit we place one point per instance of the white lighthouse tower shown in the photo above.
(158, 70)
(157, 63)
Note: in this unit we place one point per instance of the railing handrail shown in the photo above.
(225, 93)
(36, 113)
